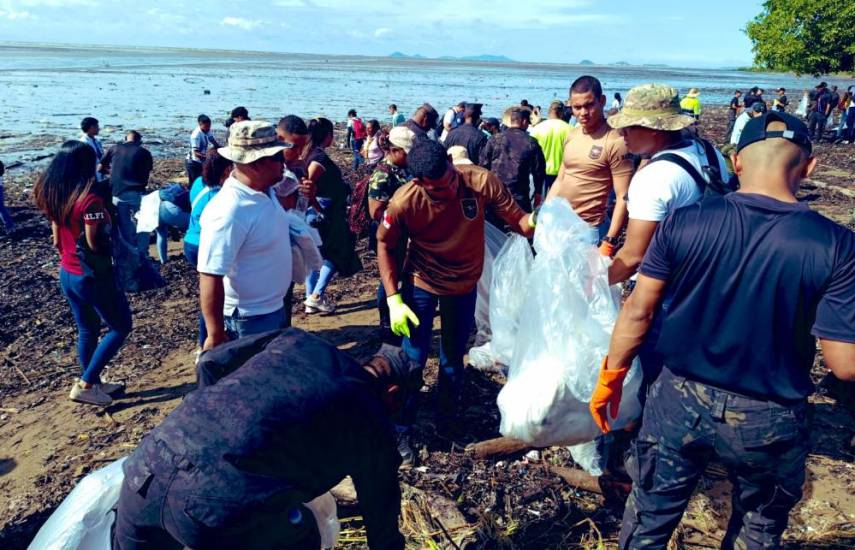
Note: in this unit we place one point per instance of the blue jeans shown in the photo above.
(91, 302)
(238, 326)
(4, 212)
(191, 253)
(169, 215)
(457, 316)
(130, 249)
(356, 145)
(317, 281)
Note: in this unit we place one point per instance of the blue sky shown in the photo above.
(680, 33)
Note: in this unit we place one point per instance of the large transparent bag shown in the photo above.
(84, 520)
(564, 322)
(494, 238)
(510, 275)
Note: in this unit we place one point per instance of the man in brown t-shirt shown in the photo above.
(595, 163)
(441, 212)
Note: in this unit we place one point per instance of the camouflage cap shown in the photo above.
(653, 106)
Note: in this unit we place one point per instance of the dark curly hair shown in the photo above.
(213, 168)
(383, 140)
(427, 159)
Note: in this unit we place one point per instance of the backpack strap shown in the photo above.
(685, 165)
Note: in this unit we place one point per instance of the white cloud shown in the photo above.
(381, 32)
(13, 15)
(240, 22)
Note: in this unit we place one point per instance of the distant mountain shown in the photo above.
(586, 62)
(621, 64)
(481, 58)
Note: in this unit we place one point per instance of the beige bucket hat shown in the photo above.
(250, 140)
(653, 106)
(402, 137)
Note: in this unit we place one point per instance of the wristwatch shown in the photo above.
(610, 240)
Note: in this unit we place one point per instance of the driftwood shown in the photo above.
(501, 446)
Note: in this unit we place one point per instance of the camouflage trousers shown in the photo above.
(687, 424)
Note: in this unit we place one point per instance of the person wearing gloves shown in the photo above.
(441, 212)
(738, 343)
(279, 419)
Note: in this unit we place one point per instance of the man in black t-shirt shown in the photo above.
(733, 111)
(818, 117)
(738, 341)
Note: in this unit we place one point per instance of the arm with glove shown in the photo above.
(631, 327)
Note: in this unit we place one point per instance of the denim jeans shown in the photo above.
(238, 326)
(356, 145)
(91, 302)
(4, 212)
(194, 170)
(169, 215)
(317, 281)
(130, 249)
(816, 125)
(457, 316)
(191, 253)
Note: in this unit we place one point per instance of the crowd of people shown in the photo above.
(734, 281)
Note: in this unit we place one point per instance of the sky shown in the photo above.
(674, 32)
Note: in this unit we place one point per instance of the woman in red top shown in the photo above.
(80, 224)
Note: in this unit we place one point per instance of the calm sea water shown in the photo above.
(45, 91)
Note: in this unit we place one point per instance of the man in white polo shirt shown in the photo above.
(244, 248)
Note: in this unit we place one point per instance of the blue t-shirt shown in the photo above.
(752, 280)
(197, 206)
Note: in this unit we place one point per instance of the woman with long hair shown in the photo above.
(80, 225)
(331, 193)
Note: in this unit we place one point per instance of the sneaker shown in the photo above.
(110, 388)
(325, 305)
(92, 396)
(312, 304)
(408, 457)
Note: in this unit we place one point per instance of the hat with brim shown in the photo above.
(402, 138)
(459, 155)
(653, 106)
(694, 92)
(251, 140)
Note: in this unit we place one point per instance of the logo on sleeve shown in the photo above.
(387, 220)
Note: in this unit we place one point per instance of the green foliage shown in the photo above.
(804, 36)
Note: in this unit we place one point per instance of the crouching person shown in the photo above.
(232, 465)
(754, 275)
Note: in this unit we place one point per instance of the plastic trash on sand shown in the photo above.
(507, 293)
(556, 315)
(84, 520)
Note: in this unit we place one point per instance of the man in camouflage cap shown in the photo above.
(652, 125)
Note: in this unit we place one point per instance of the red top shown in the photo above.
(89, 211)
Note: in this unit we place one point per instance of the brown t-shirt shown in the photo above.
(445, 254)
(591, 161)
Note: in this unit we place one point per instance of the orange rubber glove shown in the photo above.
(607, 394)
(607, 249)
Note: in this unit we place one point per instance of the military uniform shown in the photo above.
(281, 419)
(468, 136)
(514, 157)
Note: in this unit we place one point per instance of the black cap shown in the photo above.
(755, 130)
(759, 107)
(493, 121)
(473, 109)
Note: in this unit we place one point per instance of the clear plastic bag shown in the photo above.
(507, 294)
(566, 313)
(494, 239)
(84, 519)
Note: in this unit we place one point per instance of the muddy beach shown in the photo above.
(452, 499)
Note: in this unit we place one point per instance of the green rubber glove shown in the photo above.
(400, 314)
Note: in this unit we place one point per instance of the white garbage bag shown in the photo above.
(564, 326)
(84, 520)
(494, 238)
(507, 293)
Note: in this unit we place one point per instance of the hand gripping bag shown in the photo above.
(564, 325)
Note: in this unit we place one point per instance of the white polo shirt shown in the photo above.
(245, 239)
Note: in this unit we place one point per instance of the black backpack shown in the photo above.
(719, 184)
